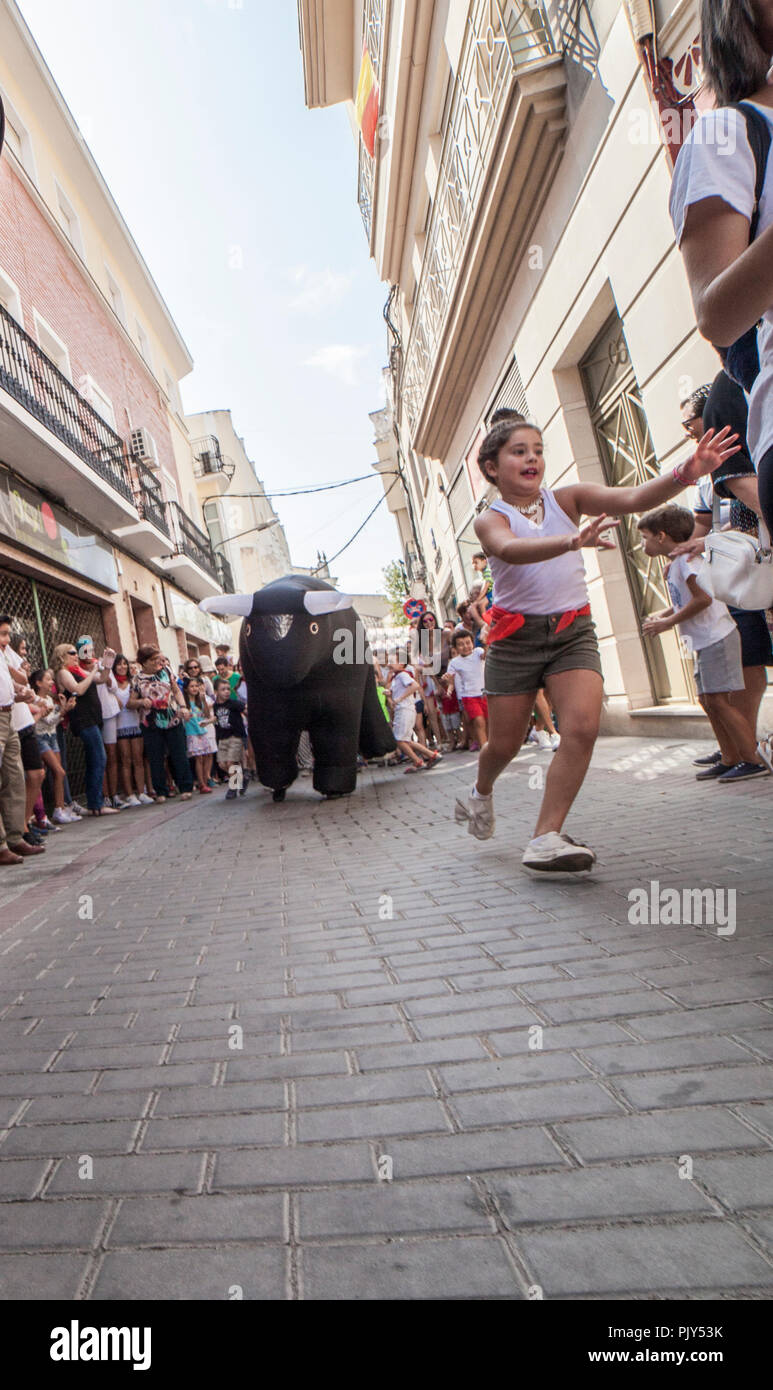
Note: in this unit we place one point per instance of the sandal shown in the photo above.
(765, 751)
(416, 767)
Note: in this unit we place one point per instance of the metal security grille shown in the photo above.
(460, 501)
(511, 395)
(17, 602)
(62, 619)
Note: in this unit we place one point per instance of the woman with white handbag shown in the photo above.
(729, 500)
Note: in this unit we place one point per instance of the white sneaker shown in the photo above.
(554, 853)
(62, 817)
(76, 809)
(132, 801)
(555, 739)
(542, 739)
(478, 812)
(532, 736)
(116, 802)
(145, 800)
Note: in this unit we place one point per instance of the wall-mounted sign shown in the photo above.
(51, 532)
(190, 618)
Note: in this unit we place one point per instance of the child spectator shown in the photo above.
(404, 690)
(465, 674)
(52, 712)
(229, 729)
(710, 633)
(196, 732)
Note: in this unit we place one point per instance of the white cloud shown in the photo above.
(316, 290)
(339, 360)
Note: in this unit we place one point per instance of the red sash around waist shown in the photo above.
(504, 624)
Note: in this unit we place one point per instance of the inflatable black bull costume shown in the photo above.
(290, 636)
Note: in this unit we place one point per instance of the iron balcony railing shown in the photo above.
(373, 36)
(37, 384)
(224, 573)
(209, 458)
(189, 540)
(148, 498)
(499, 39)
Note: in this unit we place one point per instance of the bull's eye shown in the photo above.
(276, 625)
(314, 628)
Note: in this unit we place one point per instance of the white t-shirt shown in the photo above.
(7, 687)
(712, 624)
(400, 684)
(716, 161)
(468, 674)
(107, 696)
(705, 501)
(21, 714)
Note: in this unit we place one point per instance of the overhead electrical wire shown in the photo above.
(359, 528)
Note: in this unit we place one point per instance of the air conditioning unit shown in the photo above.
(142, 447)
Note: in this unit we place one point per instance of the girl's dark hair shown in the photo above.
(121, 656)
(193, 699)
(496, 438)
(37, 676)
(734, 61)
(424, 615)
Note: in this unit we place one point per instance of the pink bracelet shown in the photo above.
(678, 478)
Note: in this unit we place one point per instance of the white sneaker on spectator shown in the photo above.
(555, 739)
(117, 802)
(132, 801)
(62, 817)
(543, 739)
(77, 809)
(145, 800)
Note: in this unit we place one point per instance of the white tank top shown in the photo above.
(550, 586)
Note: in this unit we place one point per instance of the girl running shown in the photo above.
(541, 631)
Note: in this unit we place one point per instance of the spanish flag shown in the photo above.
(366, 103)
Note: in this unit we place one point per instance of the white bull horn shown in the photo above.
(319, 601)
(228, 603)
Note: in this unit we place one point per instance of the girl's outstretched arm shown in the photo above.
(591, 499)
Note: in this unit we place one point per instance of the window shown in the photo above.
(10, 298)
(52, 346)
(213, 523)
(115, 298)
(169, 486)
(68, 220)
(96, 397)
(17, 139)
(173, 394)
(144, 343)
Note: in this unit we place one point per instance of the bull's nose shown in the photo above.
(277, 625)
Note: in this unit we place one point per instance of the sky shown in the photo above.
(244, 206)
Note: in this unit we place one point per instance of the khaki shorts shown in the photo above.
(230, 751)
(522, 662)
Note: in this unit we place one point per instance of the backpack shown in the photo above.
(742, 359)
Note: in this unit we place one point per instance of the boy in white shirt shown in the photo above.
(708, 630)
(465, 675)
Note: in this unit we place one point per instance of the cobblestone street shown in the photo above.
(275, 1007)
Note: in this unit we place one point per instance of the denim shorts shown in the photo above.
(522, 662)
(48, 743)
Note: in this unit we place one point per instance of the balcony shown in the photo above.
(224, 573)
(54, 437)
(209, 462)
(150, 536)
(501, 145)
(192, 564)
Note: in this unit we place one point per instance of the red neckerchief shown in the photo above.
(504, 624)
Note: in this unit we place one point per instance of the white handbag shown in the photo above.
(738, 567)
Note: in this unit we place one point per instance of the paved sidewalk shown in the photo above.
(342, 1050)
